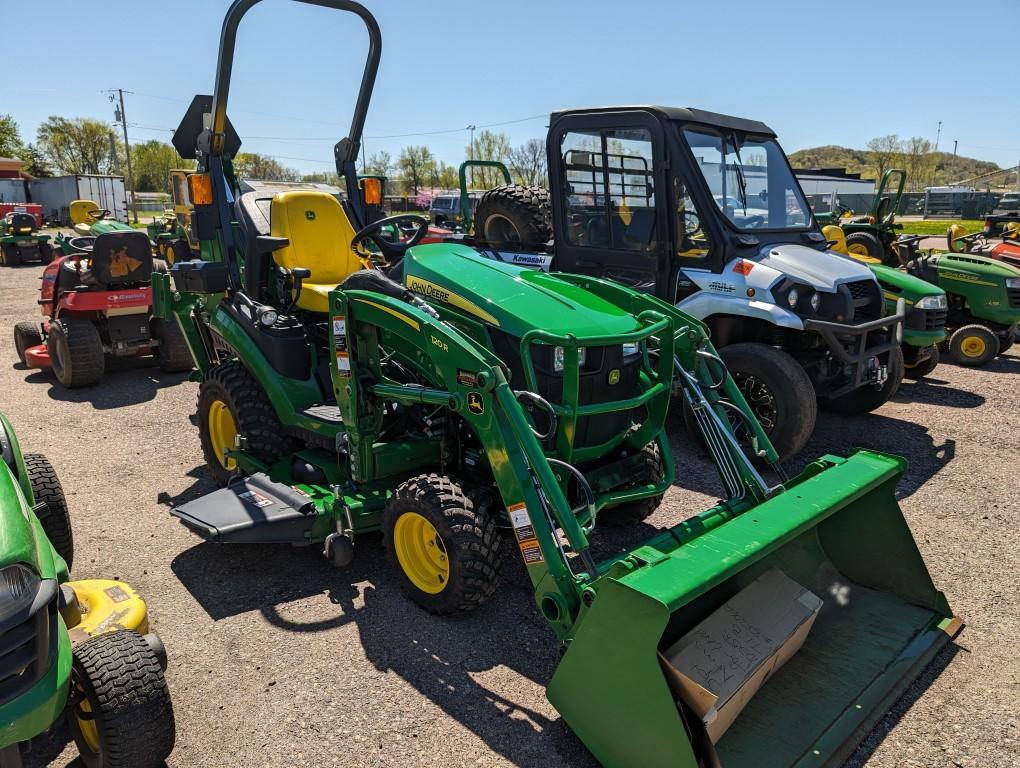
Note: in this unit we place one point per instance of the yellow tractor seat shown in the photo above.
(320, 241)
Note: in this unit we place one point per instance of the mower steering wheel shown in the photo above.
(99, 213)
(391, 251)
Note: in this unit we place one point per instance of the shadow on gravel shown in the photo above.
(935, 391)
(901, 707)
(44, 750)
(126, 382)
(444, 659)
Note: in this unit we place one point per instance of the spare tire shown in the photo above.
(514, 215)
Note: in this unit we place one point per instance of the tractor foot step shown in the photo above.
(252, 510)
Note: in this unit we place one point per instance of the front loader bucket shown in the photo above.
(838, 532)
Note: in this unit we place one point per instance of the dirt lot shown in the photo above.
(279, 660)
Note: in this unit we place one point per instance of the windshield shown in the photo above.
(749, 179)
(445, 203)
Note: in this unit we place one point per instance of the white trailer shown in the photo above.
(55, 195)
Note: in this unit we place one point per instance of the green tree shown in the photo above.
(35, 162)
(885, 152)
(252, 165)
(152, 162)
(487, 146)
(416, 164)
(528, 164)
(10, 139)
(379, 163)
(78, 145)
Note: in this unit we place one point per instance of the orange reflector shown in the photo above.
(750, 293)
(200, 189)
(371, 190)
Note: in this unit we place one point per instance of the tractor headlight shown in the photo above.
(1013, 282)
(816, 301)
(558, 357)
(793, 297)
(18, 587)
(631, 349)
(933, 302)
(268, 316)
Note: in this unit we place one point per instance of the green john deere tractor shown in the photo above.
(20, 242)
(171, 233)
(80, 649)
(89, 222)
(874, 233)
(461, 405)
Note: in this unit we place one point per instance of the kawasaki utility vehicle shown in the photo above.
(461, 405)
(75, 648)
(20, 242)
(703, 211)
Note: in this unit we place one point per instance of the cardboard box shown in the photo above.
(718, 666)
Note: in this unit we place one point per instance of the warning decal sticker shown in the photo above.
(254, 498)
(525, 532)
(343, 363)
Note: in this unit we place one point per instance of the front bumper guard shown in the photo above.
(859, 352)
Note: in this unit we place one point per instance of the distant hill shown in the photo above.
(948, 169)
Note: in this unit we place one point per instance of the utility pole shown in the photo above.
(122, 119)
(471, 146)
(938, 136)
(955, 141)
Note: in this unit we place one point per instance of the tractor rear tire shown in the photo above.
(46, 252)
(779, 393)
(1006, 342)
(867, 244)
(631, 512)
(514, 215)
(12, 256)
(444, 547)
(76, 352)
(866, 399)
(230, 389)
(26, 334)
(173, 353)
(55, 518)
(129, 720)
(922, 369)
(973, 345)
(177, 251)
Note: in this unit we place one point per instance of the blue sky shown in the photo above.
(450, 63)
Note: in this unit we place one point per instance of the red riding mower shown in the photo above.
(97, 301)
(1000, 239)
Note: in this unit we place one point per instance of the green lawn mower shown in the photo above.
(80, 649)
(20, 242)
(873, 234)
(461, 405)
(171, 233)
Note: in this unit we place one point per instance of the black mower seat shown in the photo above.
(119, 258)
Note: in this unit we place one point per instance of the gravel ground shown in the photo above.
(279, 660)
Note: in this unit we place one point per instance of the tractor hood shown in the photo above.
(822, 270)
(513, 298)
(969, 263)
(909, 287)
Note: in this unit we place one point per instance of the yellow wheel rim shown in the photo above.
(421, 553)
(973, 346)
(88, 728)
(860, 252)
(222, 432)
(169, 253)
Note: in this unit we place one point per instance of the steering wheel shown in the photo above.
(390, 250)
(754, 221)
(99, 213)
(697, 223)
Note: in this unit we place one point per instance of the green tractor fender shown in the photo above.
(897, 285)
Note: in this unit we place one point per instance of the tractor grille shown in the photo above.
(867, 300)
(25, 651)
(926, 319)
(1014, 296)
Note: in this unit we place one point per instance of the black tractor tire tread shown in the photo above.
(46, 252)
(869, 240)
(26, 334)
(467, 529)
(631, 512)
(921, 370)
(528, 206)
(789, 439)
(12, 256)
(1006, 342)
(55, 518)
(130, 699)
(172, 354)
(85, 352)
(254, 416)
(866, 399)
(973, 362)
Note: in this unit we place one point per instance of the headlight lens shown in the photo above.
(816, 301)
(631, 349)
(933, 302)
(18, 587)
(1013, 282)
(268, 316)
(793, 297)
(558, 356)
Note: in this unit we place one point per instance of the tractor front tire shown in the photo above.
(12, 256)
(26, 334)
(867, 398)
(231, 402)
(631, 512)
(444, 547)
(177, 251)
(865, 244)
(76, 352)
(1006, 342)
(778, 391)
(172, 354)
(973, 345)
(515, 215)
(923, 368)
(122, 716)
(55, 518)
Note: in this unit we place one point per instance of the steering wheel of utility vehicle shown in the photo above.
(691, 231)
(99, 213)
(391, 251)
(753, 221)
